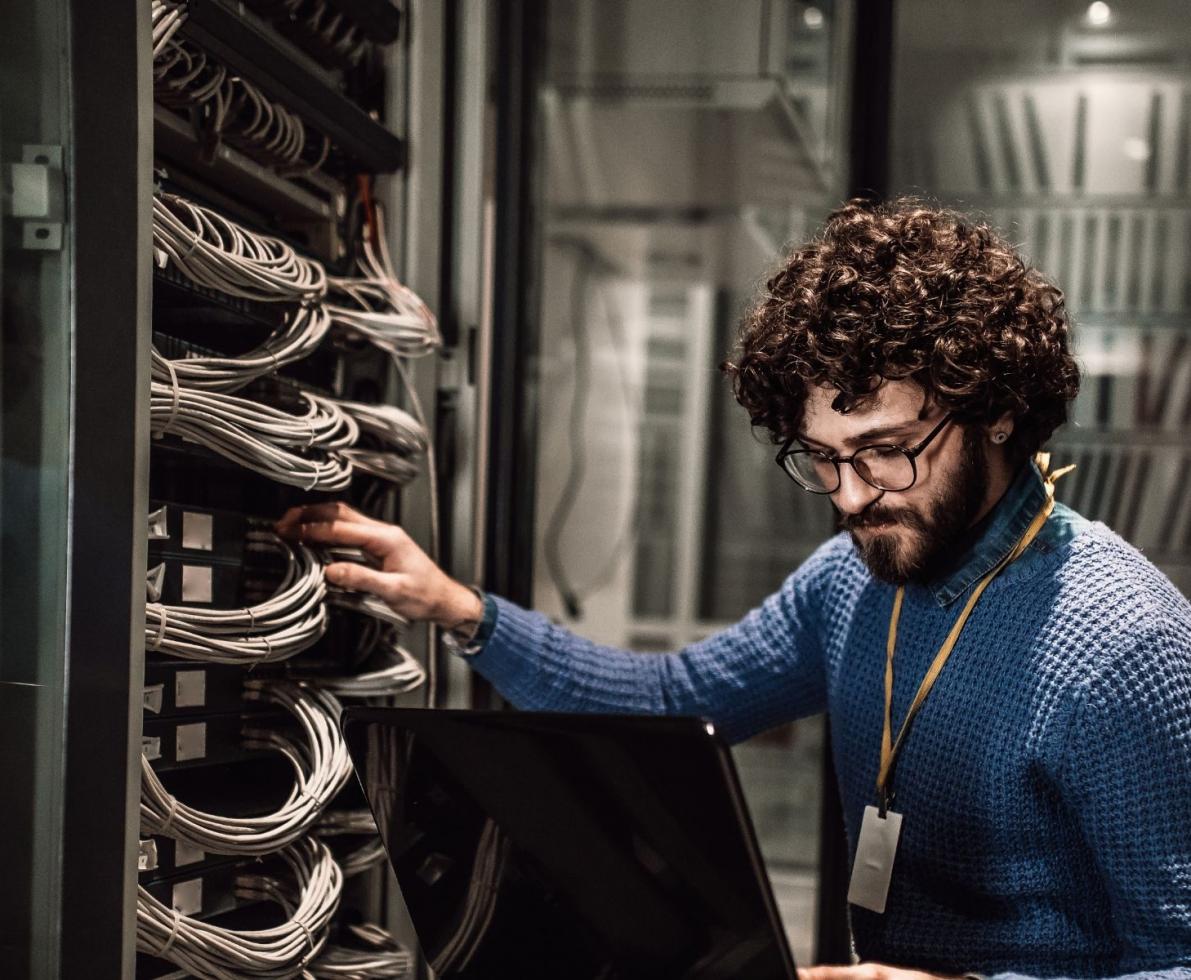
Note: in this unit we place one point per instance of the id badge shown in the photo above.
(873, 867)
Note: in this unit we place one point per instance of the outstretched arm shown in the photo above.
(764, 670)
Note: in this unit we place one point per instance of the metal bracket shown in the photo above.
(34, 194)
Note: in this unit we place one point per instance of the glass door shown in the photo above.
(682, 145)
(1068, 126)
(35, 349)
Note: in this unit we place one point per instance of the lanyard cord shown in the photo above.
(891, 748)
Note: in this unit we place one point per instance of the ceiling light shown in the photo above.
(813, 18)
(1099, 13)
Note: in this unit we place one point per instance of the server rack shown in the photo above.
(169, 527)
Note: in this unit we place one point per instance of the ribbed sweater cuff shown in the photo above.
(512, 657)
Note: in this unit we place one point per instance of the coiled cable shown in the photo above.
(288, 622)
(310, 899)
(321, 766)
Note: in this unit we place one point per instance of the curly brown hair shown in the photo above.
(902, 290)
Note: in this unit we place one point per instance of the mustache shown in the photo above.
(875, 514)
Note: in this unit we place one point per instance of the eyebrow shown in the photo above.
(867, 436)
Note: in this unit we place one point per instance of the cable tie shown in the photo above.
(159, 633)
(175, 395)
(195, 238)
(171, 813)
(309, 936)
(174, 926)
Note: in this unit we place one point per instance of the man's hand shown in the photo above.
(407, 579)
(863, 971)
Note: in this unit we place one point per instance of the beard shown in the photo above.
(927, 542)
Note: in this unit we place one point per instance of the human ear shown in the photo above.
(1000, 430)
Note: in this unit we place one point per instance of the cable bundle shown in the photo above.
(259, 437)
(390, 426)
(378, 307)
(334, 35)
(220, 254)
(383, 959)
(401, 673)
(229, 106)
(310, 899)
(356, 823)
(285, 624)
(298, 338)
(321, 766)
(399, 434)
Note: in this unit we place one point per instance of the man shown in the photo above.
(1022, 801)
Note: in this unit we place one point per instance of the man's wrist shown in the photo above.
(463, 612)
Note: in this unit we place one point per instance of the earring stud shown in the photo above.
(1000, 437)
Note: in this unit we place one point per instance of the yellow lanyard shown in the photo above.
(891, 748)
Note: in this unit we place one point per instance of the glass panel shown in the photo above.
(684, 144)
(1067, 125)
(34, 455)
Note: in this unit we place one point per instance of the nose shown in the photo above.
(853, 494)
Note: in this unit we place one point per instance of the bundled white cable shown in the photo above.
(214, 953)
(334, 823)
(321, 767)
(167, 18)
(300, 335)
(365, 857)
(403, 673)
(285, 624)
(220, 254)
(260, 437)
(383, 465)
(389, 425)
(384, 959)
(378, 307)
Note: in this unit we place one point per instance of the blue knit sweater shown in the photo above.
(1046, 783)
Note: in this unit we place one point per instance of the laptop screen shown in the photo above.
(578, 846)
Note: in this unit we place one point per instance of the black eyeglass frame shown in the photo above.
(911, 454)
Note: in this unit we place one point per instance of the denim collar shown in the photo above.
(996, 535)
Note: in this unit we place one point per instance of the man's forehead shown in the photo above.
(893, 402)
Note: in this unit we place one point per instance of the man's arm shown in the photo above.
(766, 669)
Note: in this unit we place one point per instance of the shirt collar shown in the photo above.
(995, 535)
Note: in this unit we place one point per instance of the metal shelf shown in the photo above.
(247, 45)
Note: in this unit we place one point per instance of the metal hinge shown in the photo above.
(34, 195)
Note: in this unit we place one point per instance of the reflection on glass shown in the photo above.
(34, 453)
(684, 144)
(1071, 130)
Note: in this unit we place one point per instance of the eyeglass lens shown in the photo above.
(884, 467)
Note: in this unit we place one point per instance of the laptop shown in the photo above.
(570, 847)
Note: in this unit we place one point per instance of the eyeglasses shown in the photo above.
(885, 467)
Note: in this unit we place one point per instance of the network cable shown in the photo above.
(310, 897)
(288, 622)
(321, 766)
(298, 337)
(379, 956)
(400, 674)
(227, 105)
(298, 450)
(216, 252)
(376, 306)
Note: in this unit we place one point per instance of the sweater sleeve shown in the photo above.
(764, 670)
(1127, 781)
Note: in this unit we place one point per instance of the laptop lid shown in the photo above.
(580, 846)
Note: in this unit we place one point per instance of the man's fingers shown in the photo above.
(361, 578)
(330, 510)
(377, 540)
(826, 973)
